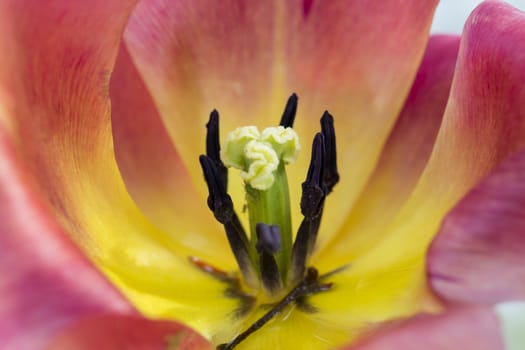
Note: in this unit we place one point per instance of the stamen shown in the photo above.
(268, 257)
(303, 245)
(288, 116)
(268, 243)
(313, 192)
(212, 270)
(312, 202)
(233, 290)
(268, 238)
(220, 203)
(213, 147)
(331, 175)
(308, 286)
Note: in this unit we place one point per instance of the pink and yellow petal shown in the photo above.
(483, 124)
(367, 292)
(58, 110)
(47, 284)
(403, 158)
(476, 328)
(478, 256)
(153, 171)
(196, 56)
(59, 116)
(246, 58)
(338, 58)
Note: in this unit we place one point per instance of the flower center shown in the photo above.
(272, 265)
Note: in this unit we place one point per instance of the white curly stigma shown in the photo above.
(285, 142)
(257, 154)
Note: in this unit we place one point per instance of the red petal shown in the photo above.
(479, 254)
(460, 329)
(120, 332)
(46, 283)
(483, 121)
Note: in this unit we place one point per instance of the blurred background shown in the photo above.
(451, 14)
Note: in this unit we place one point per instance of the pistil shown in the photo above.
(261, 157)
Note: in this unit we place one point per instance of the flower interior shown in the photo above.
(273, 265)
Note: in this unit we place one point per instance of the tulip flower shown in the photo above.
(378, 201)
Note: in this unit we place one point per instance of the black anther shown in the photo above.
(303, 246)
(268, 238)
(313, 194)
(311, 275)
(331, 175)
(312, 203)
(268, 243)
(288, 116)
(220, 203)
(213, 147)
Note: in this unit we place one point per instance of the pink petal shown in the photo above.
(483, 124)
(63, 53)
(405, 153)
(459, 329)
(196, 56)
(483, 121)
(153, 170)
(58, 55)
(130, 333)
(56, 104)
(245, 58)
(479, 253)
(60, 116)
(358, 60)
(46, 283)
